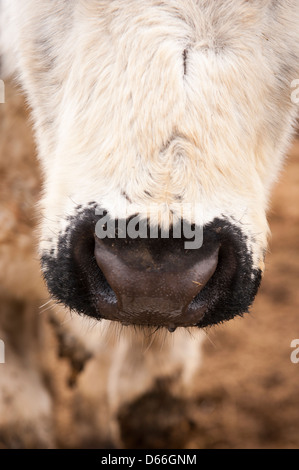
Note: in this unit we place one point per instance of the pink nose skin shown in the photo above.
(154, 287)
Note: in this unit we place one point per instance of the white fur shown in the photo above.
(106, 83)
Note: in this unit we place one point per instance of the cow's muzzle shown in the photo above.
(153, 282)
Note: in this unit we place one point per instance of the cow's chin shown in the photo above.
(153, 283)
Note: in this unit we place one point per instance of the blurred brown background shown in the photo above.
(52, 385)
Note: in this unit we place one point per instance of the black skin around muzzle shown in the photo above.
(75, 280)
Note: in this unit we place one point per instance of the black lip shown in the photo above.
(80, 285)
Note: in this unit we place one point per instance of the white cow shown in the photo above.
(155, 115)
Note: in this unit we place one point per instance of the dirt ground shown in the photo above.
(246, 392)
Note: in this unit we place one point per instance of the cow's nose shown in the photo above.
(154, 280)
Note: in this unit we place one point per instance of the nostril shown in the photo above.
(93, 283)
(217, 293)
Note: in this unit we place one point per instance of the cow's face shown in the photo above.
(172, 113)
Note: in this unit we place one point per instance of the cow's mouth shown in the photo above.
(153, 282)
